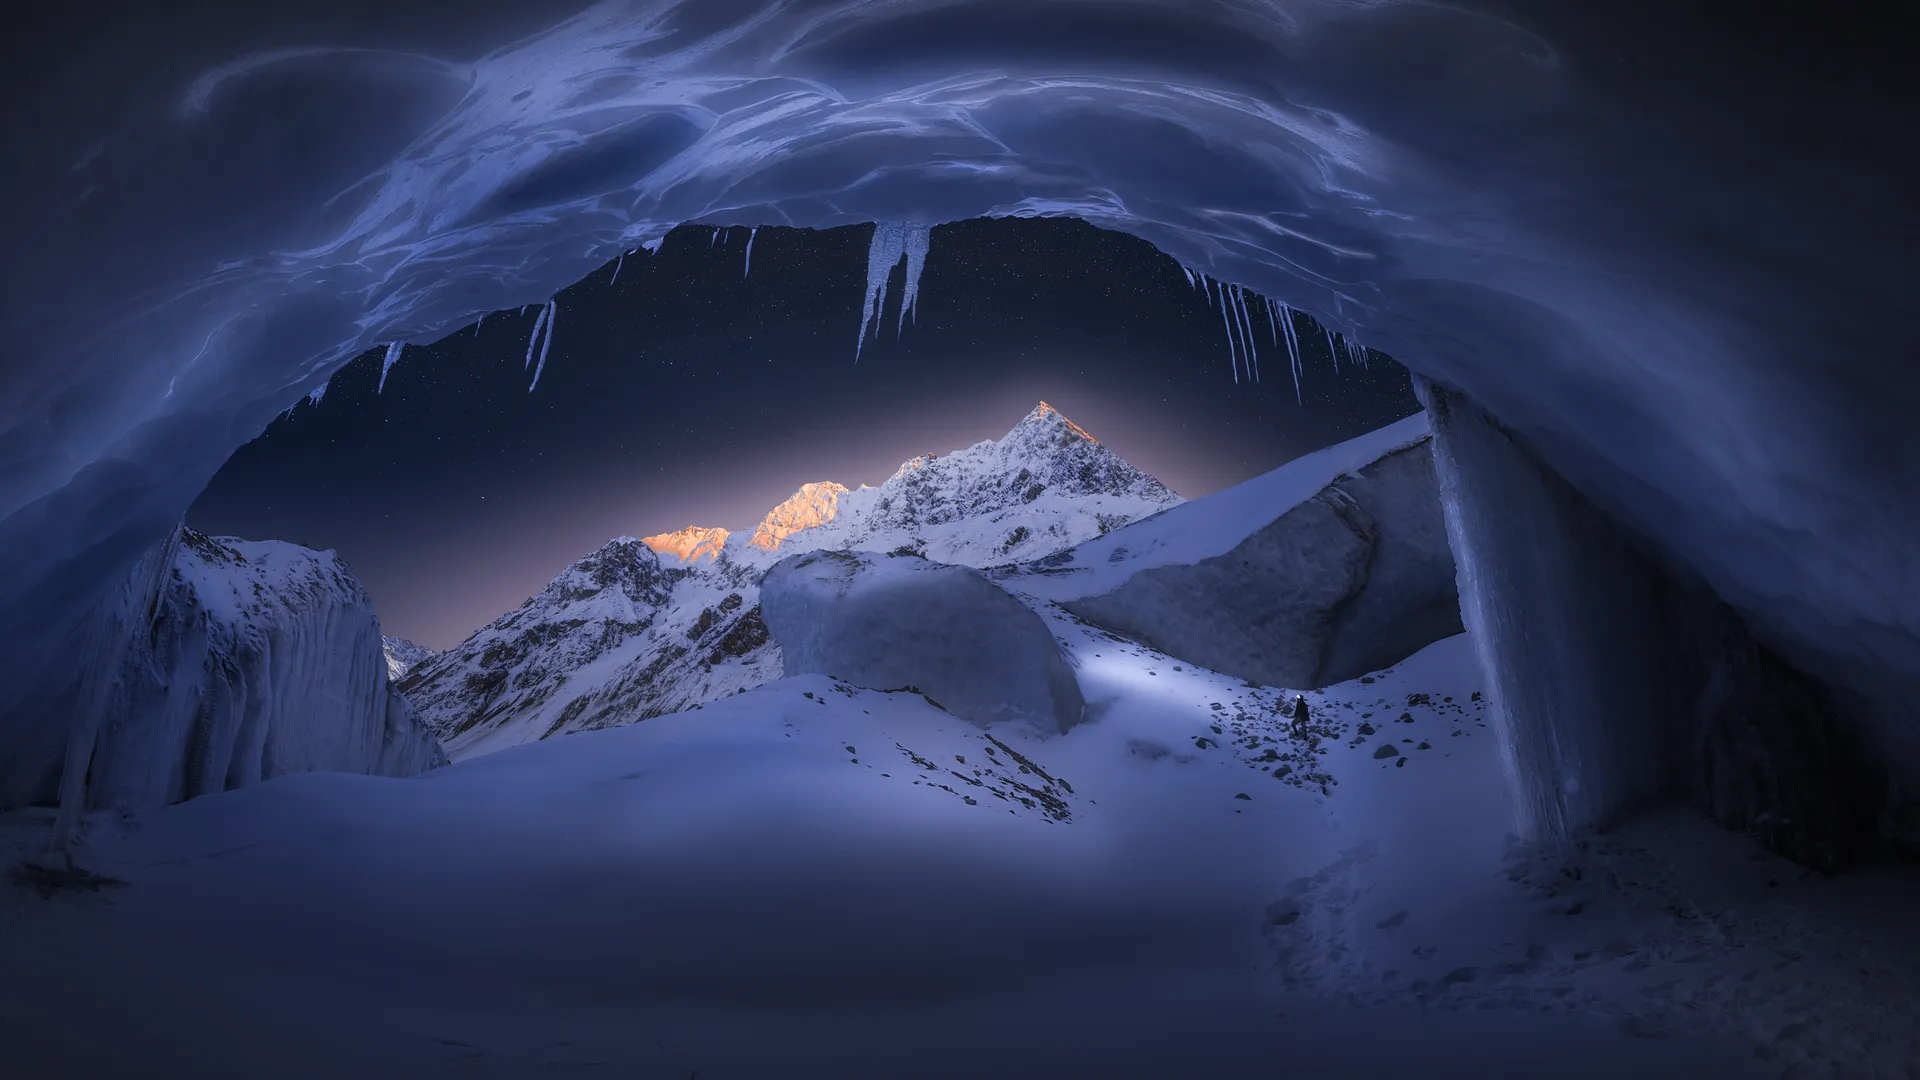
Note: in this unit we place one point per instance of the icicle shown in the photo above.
(1189, 273)
(891, 241)
(551, 311)
(1294, 362)
(478, 323)
(394, 350)
(716, 239)
(1246, 327)
(318, 393)
(1233, 350)
(918, 242)
(1331, 350)
(538, 322)
(748, 270)
(622, 261)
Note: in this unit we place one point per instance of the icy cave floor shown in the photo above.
(814, 879)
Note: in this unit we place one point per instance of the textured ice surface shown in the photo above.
(259, 659)
(1613, 683)
(891, 621)
(1492, 198)
(1353, 579)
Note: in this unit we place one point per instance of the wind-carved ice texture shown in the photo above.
(1735, 392)
(892, 240)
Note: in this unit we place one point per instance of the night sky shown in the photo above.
(688, 394)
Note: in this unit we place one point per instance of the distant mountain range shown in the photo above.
(645, 627)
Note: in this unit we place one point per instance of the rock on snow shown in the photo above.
(900, 621)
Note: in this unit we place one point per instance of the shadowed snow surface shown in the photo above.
(816, 879)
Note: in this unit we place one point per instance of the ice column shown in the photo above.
(1567, 620)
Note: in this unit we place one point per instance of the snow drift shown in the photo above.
(259, 660)
(1670, 248)
(893, 621)
(1350, 579)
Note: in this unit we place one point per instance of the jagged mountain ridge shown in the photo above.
(403, 656)
(645, 627)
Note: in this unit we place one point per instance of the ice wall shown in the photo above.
(258, 660)
(1615, 682)
(1670, 249)
(1568, 623)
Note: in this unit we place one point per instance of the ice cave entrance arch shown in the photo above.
(1670, 410)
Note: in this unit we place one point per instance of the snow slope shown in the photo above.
(648, 627)
(817, 879)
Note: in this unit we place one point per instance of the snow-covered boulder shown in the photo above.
(892, 621)
(260, 659)
(1324, 570)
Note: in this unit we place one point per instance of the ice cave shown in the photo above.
(1650, 264)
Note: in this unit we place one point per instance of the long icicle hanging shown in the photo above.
(533, 339)
(1246, 326)
(394, 349)
(1293, 351)
(615, 279)
(919, 241)
(747, 271)
(552, 309)
(1233, 354)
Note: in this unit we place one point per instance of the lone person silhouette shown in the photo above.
(1299, 714)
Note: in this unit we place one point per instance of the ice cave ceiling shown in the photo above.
(1670, 244)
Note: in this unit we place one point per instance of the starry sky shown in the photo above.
(687, 392)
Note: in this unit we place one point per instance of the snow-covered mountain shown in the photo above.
(403, 656)
(645, 627)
